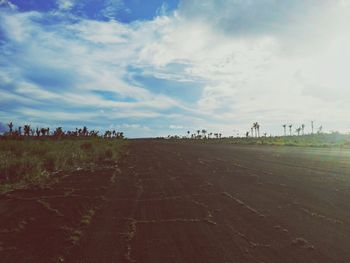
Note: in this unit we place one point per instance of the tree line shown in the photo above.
(27, 131)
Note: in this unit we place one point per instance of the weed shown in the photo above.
(28, 161)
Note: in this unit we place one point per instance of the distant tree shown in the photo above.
(58, 132)
(220, 135)
(312, 127)
(247, 134)
(204, 132)
(108, 134)
(256, 128)
(43, 131)
(252, 133)
(298, 130)
(188, 133)
(84, 131)
(26, 130)
(284, 127)
(319, 131)
(303, 129)
(290, 129)
(10, 125)
(19, 130)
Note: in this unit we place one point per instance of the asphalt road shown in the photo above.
(188, 202)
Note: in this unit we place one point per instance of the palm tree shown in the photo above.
(303, 128)
(220, 135)
(312, 127)
(257, 128)
(188, 133)
(298, 130)
(284, 127)
(252, 133)
(290, 129)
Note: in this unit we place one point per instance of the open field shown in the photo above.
(167, 201)
(28, 161)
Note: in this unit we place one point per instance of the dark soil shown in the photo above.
(187, 202)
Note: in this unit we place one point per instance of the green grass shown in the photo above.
(32, 161)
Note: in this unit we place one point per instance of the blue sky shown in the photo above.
(153, 68)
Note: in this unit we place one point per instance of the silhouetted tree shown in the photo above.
(290, 129)
(204, 132)
(257, 125)
(26, 130)
(10, 127)
(58, 132)
(284, 127)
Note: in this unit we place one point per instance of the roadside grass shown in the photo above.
(33, 161)
(334, 140)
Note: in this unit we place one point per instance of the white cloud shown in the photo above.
(65, 4)
(8, 4)
(176, 127)
(266, 61)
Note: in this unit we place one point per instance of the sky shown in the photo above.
(159, 67)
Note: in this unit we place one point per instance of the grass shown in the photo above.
(316, 140)
(33, 161)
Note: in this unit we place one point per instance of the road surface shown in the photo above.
(187, 202)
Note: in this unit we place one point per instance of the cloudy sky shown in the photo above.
(156, 67)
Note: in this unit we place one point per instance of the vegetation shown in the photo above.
(28, 161)
(299, 138)
(315, 140)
